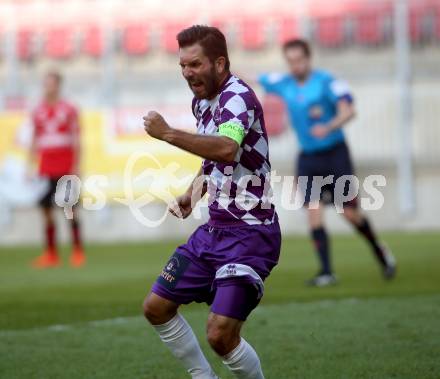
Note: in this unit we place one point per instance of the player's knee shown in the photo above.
(158, 310)
(352, 215)
(314, 217)
(153, 312)
(222, 339)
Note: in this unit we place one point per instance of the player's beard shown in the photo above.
(210, 83)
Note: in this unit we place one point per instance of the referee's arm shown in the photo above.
(345, 112)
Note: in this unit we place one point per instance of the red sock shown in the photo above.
(76, 235)
(50, 239)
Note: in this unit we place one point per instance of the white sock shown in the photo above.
(181, 340)
(243, 362)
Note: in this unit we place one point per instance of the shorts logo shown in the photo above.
(172, 264)
(173, 270)
(231, 270)
(169, 272)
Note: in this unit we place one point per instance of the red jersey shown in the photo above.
(56, 132)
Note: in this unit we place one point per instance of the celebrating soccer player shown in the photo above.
(225, 261)
(55, 145)
(319, 106)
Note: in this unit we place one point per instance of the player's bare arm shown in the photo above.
(215, 148)
(186, 202)
(345, 113)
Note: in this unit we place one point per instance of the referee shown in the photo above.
(319, 106)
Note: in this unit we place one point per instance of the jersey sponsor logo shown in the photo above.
(54, 130)
(300, 98)
(173, 270)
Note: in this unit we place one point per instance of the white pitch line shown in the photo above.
(125, 320)
(67, 327)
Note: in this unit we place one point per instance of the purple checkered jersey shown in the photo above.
(239, 192)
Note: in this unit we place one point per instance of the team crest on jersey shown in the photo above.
(300, 98)
(216, 116)
(315, 112)
(173, 270)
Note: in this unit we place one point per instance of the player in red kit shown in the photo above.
(55, 146)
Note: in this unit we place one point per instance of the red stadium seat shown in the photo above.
(415, 26)
(369, 26)
(219, 24)
(437, 22)
(169, 32)
(424, 22)
(274, 115)
(135, 39)
(288, 29)
(252, 34)
(92, 43)
(59, 43)
(330, 31)
(24, 44)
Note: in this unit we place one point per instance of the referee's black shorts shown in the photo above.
(334, 161)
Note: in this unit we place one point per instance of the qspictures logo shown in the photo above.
(160, 182)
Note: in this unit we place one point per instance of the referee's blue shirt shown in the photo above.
(310, 103)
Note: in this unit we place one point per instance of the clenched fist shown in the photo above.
(182, 207)
(320, 131)
(155, 125)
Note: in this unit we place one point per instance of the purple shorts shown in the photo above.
(222, 266)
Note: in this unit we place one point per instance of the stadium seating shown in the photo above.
(24, 45)
(220, 24)
(368, 29)
(424, 23)
(365, 23)
(287, 29)
(330, 31)
(59, 43)
(92, 42)
(437, 23)
(135, 40)
(169, 32)
(371, 22)
(274, 115)
(252, 34)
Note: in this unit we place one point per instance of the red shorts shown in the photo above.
(56, 162)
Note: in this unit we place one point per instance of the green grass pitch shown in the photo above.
(66, 323)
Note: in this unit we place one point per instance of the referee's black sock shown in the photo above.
(320, 239)
(365, 229)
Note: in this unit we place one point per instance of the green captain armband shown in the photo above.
(232, 130)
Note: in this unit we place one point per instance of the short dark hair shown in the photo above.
(211, 39)
(298, 43)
